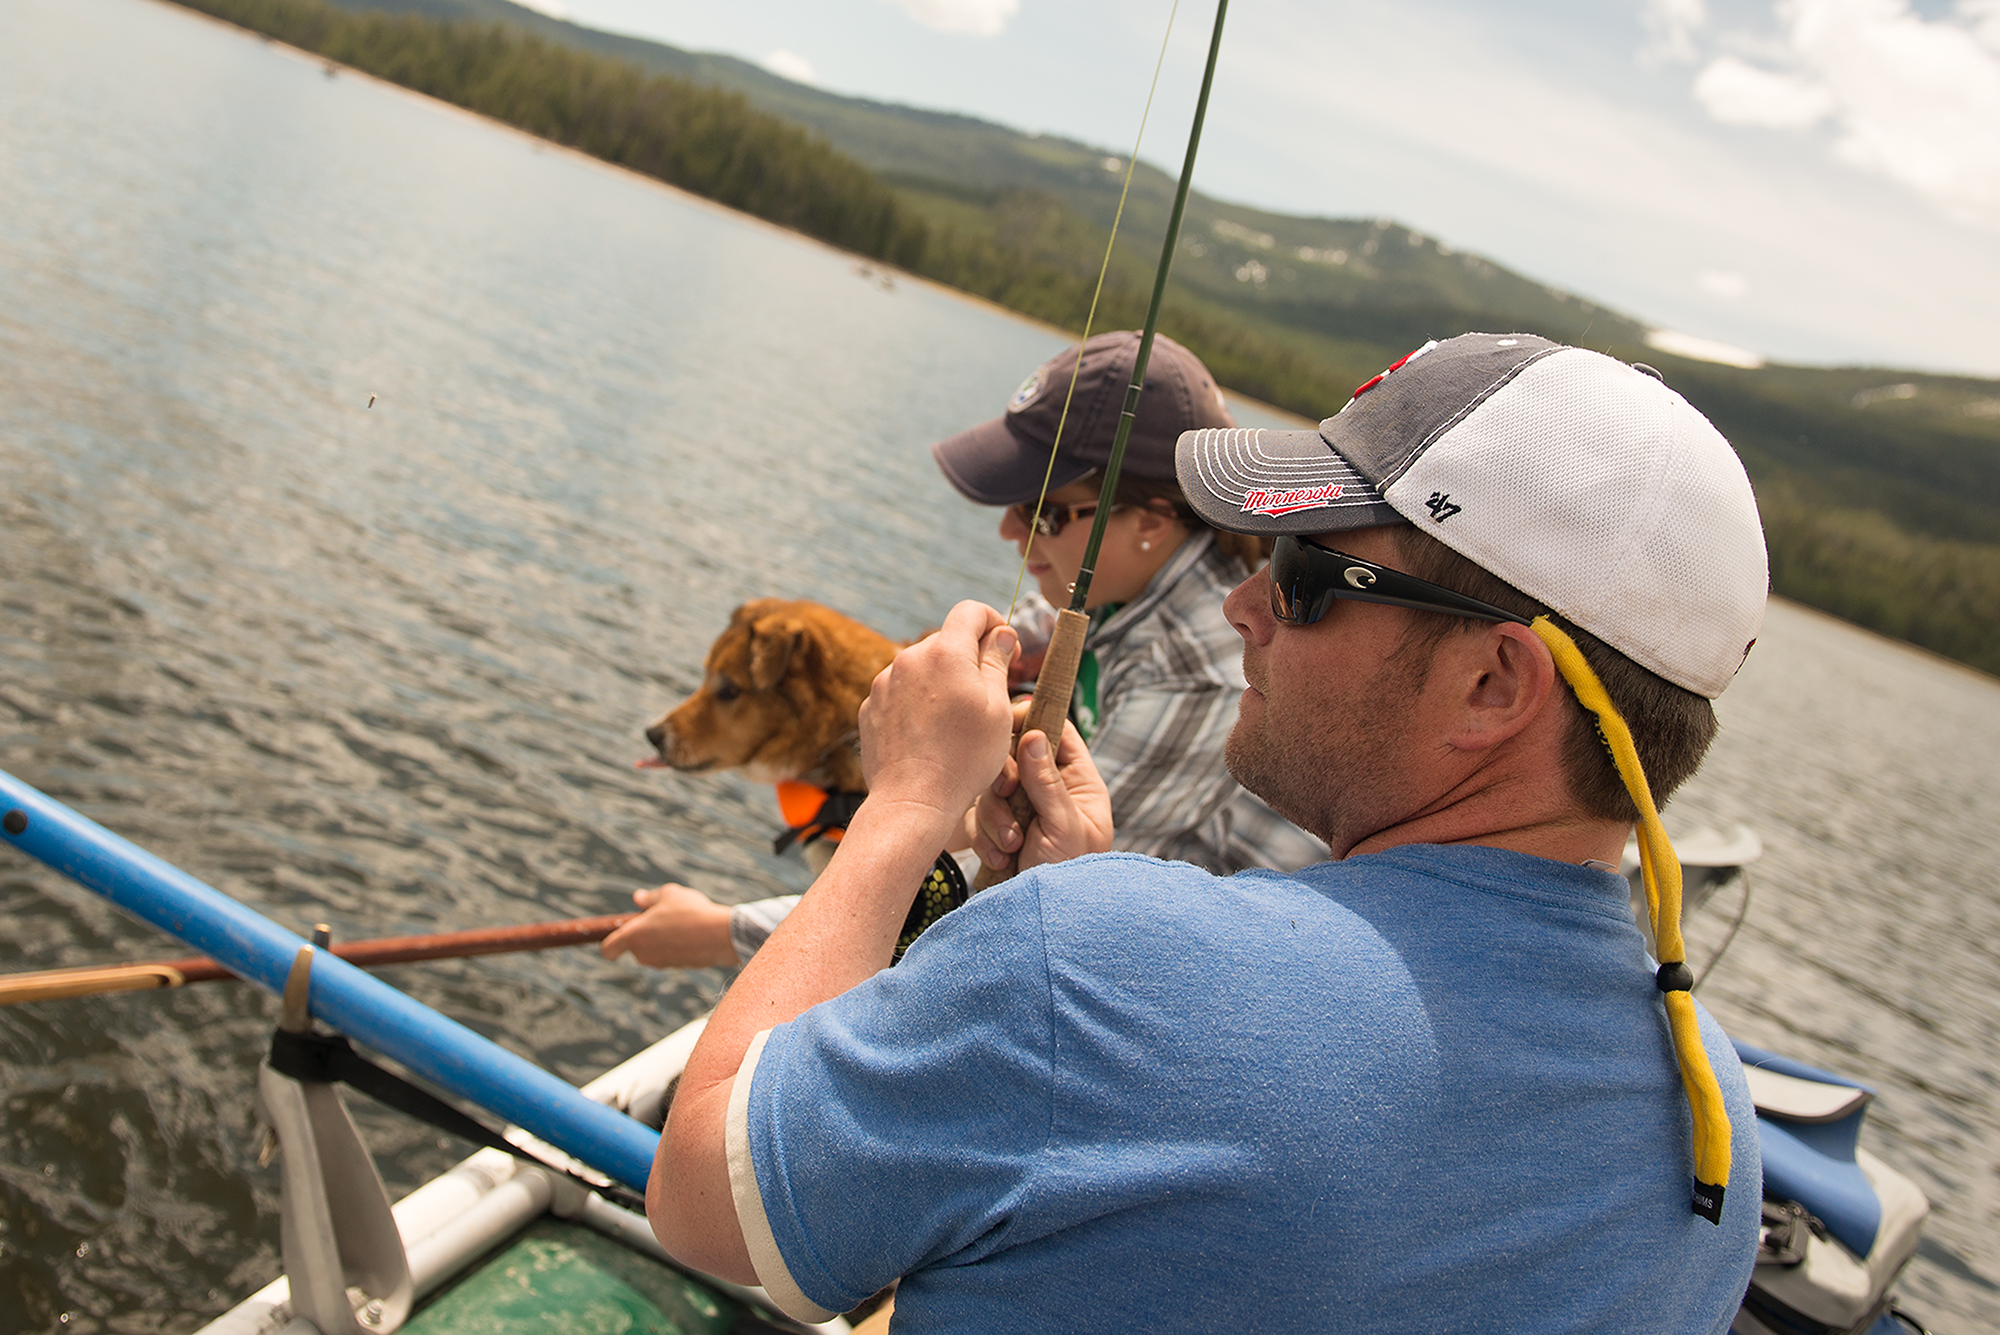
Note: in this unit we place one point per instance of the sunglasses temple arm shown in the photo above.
(1476, 610)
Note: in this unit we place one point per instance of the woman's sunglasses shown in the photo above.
(1055, 516)
(1306, 578)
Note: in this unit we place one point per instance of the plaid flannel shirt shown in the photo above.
(1169, 678)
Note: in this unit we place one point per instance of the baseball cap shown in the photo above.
(1003, 462)
(1585, 483)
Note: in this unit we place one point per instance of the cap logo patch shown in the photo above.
(1441, 506)
(1285, 502)
(1025, 395)
(1399, 364)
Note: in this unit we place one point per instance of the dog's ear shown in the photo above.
(754, 610)
(773, 642)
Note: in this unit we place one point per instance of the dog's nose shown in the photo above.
(657, 735)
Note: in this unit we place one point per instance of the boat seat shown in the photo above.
(1807, 1123)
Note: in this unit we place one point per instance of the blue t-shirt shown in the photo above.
(1427, 1089)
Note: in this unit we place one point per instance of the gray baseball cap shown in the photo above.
(1585, 483)
(1002, 462)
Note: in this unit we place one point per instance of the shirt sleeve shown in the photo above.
(903, 1123)
(750, 1216)
(751, 924)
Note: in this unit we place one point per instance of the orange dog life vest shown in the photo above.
(812, 813)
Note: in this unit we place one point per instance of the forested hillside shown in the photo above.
(1880, 488)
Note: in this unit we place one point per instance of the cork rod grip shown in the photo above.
(1046, 713)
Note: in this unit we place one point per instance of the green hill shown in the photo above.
(1880, 488)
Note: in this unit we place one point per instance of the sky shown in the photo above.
(1802, 180)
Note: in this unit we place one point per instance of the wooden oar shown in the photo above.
(51, 984)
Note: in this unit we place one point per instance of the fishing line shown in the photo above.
(1131, 165)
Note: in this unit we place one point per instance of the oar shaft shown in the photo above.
(54, 984)
(481, 941)
(445, 1053)
(57, 984)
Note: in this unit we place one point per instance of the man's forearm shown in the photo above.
(934, 732)
(842, 933)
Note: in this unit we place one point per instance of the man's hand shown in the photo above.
(679, 929)
(936, 724)
(934, 732)
(1072, 806)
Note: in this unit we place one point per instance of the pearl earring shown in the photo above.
(1146, 545)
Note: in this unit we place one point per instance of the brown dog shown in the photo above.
(783, 687)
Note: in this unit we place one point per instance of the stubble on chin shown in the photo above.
(1256, 761)
(1340, 777)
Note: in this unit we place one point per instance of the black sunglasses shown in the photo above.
(1055, 516)
(1306, 578)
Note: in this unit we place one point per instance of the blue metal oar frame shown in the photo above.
(366, 1009)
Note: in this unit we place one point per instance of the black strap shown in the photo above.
(834, 814)
(325, 1059)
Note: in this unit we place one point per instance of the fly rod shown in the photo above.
(1057, 679)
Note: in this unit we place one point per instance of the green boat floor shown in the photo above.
(557, 1277)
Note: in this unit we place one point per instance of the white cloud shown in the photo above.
(1920, 101)
(1915, 101)
(1600, 192)
(1724, 283)
(787, 65)
(976, 18)
(1670, 29)
(555, 9)
(1984, 18)
(1737, 93)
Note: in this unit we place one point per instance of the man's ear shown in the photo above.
(1509, 680)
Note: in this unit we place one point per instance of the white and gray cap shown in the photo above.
(1583, 482)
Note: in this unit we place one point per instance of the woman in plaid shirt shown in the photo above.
(1162, 670)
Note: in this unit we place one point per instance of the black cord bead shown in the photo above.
(1675, 977)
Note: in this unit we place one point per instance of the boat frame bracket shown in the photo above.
(337, 1232)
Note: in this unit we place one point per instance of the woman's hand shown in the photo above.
(1072, 805)
(679, 928)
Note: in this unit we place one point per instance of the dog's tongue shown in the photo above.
(649, 762)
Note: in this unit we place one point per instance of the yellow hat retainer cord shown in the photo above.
(1662, 872)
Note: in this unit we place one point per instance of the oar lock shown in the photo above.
(337, 1231)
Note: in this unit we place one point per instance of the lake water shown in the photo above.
(386, 667)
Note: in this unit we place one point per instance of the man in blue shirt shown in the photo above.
(1432, 1084)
